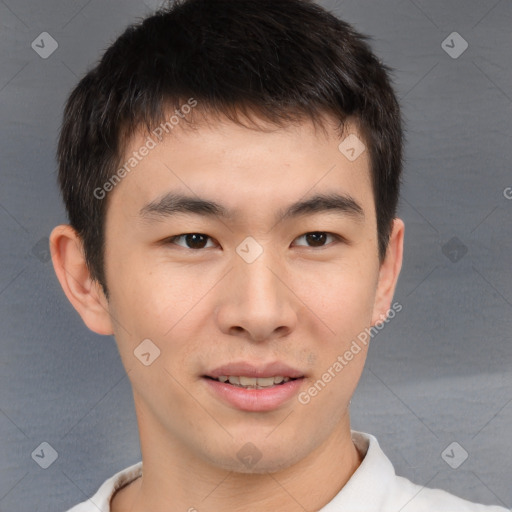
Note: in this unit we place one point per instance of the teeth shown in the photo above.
(264, 382)
(248, 381)
(253, 382)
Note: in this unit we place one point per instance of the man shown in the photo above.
(231, 173)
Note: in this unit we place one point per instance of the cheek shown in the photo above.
(151, 303)
(340, 295)
(152, 299)
(171, 307)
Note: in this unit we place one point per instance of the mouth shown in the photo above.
(242, 381)
(247, 387)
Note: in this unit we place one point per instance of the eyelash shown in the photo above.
(337, 238)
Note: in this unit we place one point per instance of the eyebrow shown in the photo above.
(172, 203)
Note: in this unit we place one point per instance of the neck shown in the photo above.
(174, 480)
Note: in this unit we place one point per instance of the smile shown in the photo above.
(253, 382)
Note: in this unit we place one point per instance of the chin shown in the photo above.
(250, 460)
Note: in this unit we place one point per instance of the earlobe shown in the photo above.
(84, 293)
(389, 272)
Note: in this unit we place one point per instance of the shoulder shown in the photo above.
(376, 486)
(411, 497)
(100, 502)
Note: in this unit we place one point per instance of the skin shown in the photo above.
(296, 303)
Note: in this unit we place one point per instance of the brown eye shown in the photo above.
(191, 240)
(317, 238)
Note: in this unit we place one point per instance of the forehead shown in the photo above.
(244, 169)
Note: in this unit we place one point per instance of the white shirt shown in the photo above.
(374, 487)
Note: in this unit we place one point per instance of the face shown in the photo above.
(243, 253)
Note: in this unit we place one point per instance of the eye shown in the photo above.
(317, 238)
(196, 241)
(191, 240)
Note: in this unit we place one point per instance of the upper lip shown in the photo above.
(247, 369)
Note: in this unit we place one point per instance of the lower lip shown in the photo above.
(266, 399)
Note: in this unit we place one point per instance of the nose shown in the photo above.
(257, 304)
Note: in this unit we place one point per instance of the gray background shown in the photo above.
(439, 372)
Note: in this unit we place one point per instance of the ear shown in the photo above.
(85, 294)
(389, 272)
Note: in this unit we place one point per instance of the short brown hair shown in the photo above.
(283, 60)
